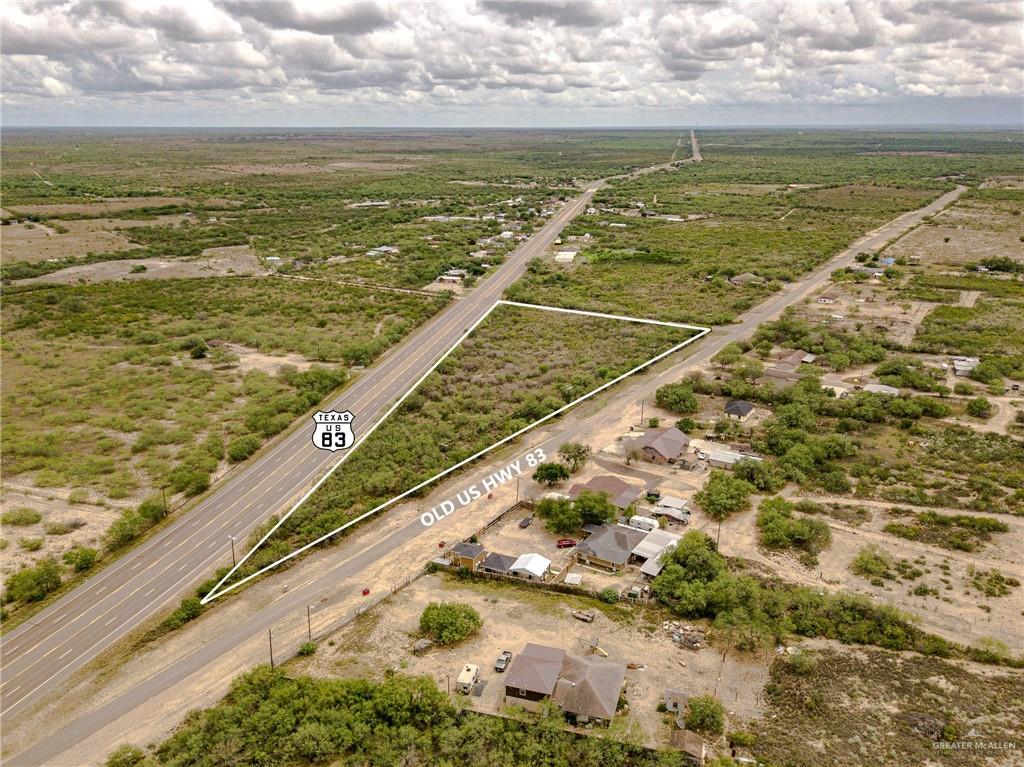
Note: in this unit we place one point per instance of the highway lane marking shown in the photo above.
(403, 364)
(65, 653)
(941, 202)
(370, 395)
(110, 621)
(698, 332)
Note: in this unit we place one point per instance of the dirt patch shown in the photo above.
(100, 207)
(37, 242)
(238, 260)
(251, 359)
(369, 165)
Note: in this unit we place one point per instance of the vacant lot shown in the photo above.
(118, 391)
(517, 367)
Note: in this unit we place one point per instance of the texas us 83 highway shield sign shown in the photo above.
(333, 430)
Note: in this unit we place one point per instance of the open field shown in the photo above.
(121, 391)
(517, 367)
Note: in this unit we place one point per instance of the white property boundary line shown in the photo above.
(701, 332)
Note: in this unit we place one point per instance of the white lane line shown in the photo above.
(110, 621)
(59, 657)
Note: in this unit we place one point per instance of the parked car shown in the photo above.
(525, 522)
(566, 543)
(503, 660)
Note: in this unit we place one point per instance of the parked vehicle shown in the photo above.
(525, 522)
(503, 660)
(643, 523)
(468, 678)
(566, 543)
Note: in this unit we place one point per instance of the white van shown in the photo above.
(643, 523)
(468, 678)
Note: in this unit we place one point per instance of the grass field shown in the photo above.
(517, 367)
(116, 392)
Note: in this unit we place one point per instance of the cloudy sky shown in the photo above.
(512, 63)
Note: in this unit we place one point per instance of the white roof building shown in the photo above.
(882, 389)
(530, 566)
(653, 548)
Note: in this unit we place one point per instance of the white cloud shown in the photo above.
(487, 57)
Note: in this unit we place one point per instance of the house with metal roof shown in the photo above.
(530, 566)
(652, 550)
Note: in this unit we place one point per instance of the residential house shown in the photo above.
(619, 492)
(469, 555)
(532, 676)
(497, 563)
(609, 546)
(662, 445)
(588, 689)
(828, 298)
(530, 566)
(738, 410)
(796, 357)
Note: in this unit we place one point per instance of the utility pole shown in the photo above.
(309, 624)
(232, 539)
(517, 489)
(270, 639)
(641, 412)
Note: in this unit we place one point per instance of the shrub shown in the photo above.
(123, 530)
(574, 454)
(81, 558)
(979, 407)
(21, 516)
(126, 756)
(678, 398)
(449, 622)
(872, 562)
(31, 584)
(308, 648)
(188, 610)
(241, 448)
(57, 528)
(779, 529)
(802, 664)
(152, 509)
(742, 739)
(609, 595)
(705, 714)
(31, 544)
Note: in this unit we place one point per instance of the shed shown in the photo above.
(530, 566)
(675, 700)
(692, 746)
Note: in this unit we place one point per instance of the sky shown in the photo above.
(512, 63)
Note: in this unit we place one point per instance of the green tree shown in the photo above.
(31, 584)
(594, 508)
(574, 454)
(705, 714)
(559, 515)
(723, 495)
(449, 622)
(979, 407)
(679, 398)
(550, 473)
(81, 558)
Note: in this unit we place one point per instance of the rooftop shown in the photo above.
(612, 543)
(668, 442)
(535, 669)
(619, 492)
(590, 686)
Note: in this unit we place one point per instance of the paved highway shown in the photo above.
(75, 629)
(350, 563)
